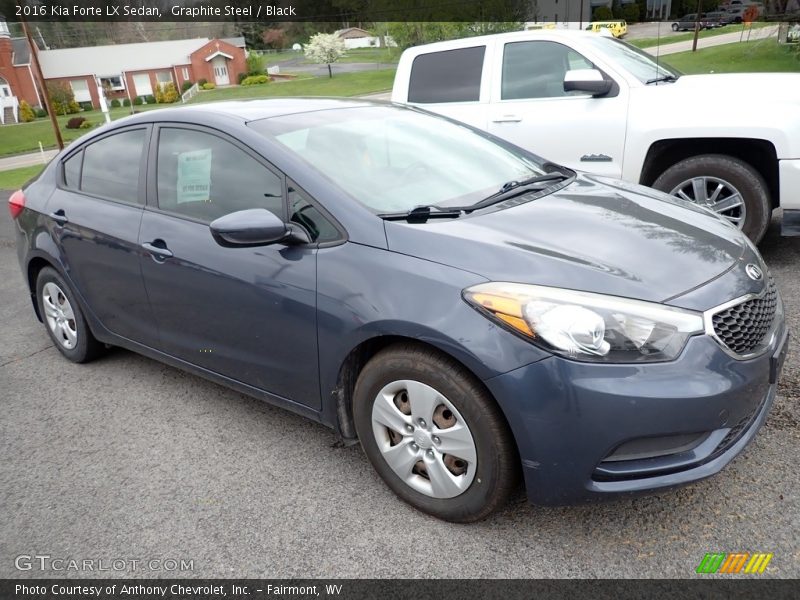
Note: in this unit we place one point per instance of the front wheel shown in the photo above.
(674, 27)
(724, 184)
(434, 434)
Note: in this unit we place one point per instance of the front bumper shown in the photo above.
(568, 416)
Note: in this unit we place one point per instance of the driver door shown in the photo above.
(248, 314)
(530, 108)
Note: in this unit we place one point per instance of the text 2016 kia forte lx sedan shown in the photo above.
(466, 310)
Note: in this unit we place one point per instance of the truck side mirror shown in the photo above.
(587, 80)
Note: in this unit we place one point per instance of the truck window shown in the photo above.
(537, 69)
(449, 76)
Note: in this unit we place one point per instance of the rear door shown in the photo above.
(96, 212)
(530, 108)
(248, 314)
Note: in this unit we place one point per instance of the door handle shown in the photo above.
(508, 119)
(59, 217)
(158, 249)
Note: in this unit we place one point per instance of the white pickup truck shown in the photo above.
(729, 142)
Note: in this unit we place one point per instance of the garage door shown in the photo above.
(142, 84)
(81, 90)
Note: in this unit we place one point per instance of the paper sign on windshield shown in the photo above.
(194, 176)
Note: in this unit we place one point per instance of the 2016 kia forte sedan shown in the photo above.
(467, 311)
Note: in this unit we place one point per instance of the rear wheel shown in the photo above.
(674, 27)
(434, 435)
(724, 184)
(63, 318)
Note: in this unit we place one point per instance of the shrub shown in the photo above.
(26, 114)
(75, 122)
(202, 82)
(241, 77)
(126, 102)
(73, 107)
(209, 86)
(166, 93)
(86, 106)
(255, 80)
(150, 99)
(186, 86)
(630, 12)
(603, 13)
(86, 125)
(41, 113)
(138, 101)
(115, 103)
(255, 63)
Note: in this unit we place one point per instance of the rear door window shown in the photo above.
(111, 166)
(449, 76)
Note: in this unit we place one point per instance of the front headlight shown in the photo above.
(586, 326)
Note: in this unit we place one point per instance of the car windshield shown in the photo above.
(392, 159)
(638, 63)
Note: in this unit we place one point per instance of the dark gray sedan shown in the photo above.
(469, 312)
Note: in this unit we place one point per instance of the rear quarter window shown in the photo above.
(449, 76)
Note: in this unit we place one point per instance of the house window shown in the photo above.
(80, 89)
(185, 73)
(112, 82)
(163, 77)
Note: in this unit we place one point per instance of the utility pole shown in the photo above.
(696, 26)
(40, 76)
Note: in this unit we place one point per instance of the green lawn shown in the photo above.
(682, 37)
(25, 137)
(747, 57)
(342, 84)
(369, 55)
(13, 179)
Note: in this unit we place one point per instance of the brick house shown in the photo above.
(123, 70)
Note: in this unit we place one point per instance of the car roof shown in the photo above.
(249, 110)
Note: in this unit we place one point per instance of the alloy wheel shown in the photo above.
(716, 194)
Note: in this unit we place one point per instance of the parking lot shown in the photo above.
(126, 458)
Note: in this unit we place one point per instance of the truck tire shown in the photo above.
(727, 185)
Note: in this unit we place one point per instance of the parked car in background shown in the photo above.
(465, 309)
(598, 104)
(717, 19)
(690, 21)
(616, 28)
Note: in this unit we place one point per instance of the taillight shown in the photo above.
(16, 203)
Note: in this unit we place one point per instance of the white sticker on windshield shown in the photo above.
(194, 176)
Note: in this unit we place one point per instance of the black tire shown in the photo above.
(86, 347)
(739, 174)
(674, 27)
(497, 473)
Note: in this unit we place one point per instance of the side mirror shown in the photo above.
(587, 80)
(254, 227)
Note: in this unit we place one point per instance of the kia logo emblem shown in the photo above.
(753, 272)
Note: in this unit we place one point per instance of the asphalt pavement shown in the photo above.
(128, 459)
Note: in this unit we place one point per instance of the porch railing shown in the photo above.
(9, 102)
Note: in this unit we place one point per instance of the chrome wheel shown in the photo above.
(424, 439)
(716, 194)
(59, 315)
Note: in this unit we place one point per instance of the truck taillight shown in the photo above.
(16, 203)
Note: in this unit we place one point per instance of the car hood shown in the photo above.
(596, 234)
(770, 86)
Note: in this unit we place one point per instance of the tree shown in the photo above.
(255, 63)
(26, 114)
(62, 98)
(325, 48)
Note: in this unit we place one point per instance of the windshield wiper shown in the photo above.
(420, 214)
(512, 188)
(662, 79)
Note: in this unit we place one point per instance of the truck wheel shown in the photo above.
(434, 434)
(726, 185)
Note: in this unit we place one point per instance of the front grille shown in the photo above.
(743, 327)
